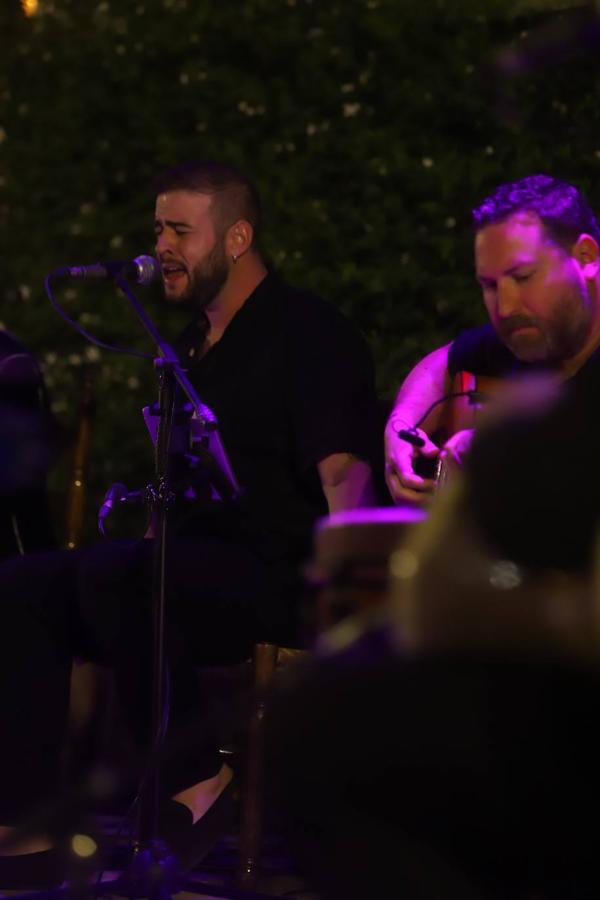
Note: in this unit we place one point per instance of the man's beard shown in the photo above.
(206, 279)
(554, 340)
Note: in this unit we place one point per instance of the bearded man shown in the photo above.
(537, 261)
(291, 384)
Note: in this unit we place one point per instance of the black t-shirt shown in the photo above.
(290, 382)
(481, 352)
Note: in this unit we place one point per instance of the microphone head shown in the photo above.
(147, 269)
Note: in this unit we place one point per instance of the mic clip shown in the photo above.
(411, 436)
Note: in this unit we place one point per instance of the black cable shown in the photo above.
(83, 331)
(410, 434)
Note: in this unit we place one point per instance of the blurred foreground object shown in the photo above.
(464, 762)
(27, 448)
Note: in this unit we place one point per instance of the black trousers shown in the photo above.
(95, 604)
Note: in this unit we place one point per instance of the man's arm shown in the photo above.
(347, 482)
(428, 382)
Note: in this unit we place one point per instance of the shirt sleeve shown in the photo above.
(332, 396)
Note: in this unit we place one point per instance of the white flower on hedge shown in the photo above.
(92, 354)
(86, 208)
(427, 162)
(350, 109)
(75, 359)
(133, 382)
(50, 359)
(116, 241)
(450, 222)
(76, 228)
(24, 292)
(248, 110)
(347, 88)
(184, 78)
(3, 134)
(311, 128)
(489, 150)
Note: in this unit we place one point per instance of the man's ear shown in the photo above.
(238, 239)
(587, 253)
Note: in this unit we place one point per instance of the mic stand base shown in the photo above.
(153, 872)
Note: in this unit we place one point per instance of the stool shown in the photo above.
(265, 660)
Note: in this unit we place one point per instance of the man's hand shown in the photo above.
(456, 449)
(400, 456)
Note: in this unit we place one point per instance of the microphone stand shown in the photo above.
(153, 870)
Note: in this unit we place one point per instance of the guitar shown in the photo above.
(462, 408)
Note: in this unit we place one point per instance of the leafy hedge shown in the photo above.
(371, 127)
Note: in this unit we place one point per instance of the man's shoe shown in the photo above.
(191, 841)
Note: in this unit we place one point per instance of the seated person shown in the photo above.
(291, 384)
(537, 259)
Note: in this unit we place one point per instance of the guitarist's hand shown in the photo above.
(456, 449)
(401, 459)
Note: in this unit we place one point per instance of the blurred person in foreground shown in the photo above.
(464, 763)
(28, 444)
(537, 261)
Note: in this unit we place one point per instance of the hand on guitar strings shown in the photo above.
(410, 463)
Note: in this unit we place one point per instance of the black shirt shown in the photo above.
(290, 382)
(481, 352)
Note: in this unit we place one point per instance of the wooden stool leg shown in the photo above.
(251, 818)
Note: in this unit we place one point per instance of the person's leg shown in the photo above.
(212, 588)
(36, 643)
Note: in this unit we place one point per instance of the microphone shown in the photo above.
(116, 494)
(142, 270)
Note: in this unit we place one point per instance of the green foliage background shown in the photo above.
(371, 127)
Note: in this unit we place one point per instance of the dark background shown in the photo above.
(371, 128)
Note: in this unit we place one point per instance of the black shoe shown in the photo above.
(32, 871)
(189, 841)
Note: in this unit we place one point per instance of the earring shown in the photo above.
(234, 258)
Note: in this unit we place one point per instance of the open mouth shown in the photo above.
(172, 272)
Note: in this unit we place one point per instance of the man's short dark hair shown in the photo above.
(561, 207)
(234, 195)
